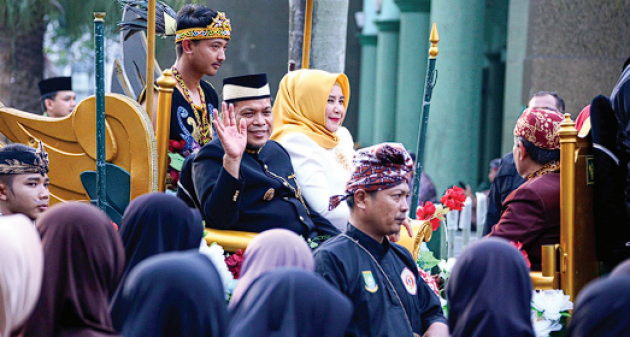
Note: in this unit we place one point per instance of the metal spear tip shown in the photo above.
(434, 38)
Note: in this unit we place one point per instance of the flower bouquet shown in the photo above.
(452, 200)
(437, 282)
(550, 309)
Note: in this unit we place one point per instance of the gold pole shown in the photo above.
(166, 84)
(308, 26)
(150, 57)
(568, 141)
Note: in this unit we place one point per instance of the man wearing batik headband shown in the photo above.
(380, 277)
(243, 180)
(201, 39)
(23, 180)
(531, 213)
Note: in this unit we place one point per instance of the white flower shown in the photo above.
(551, 303)
(216, 254)
(446, 267)
(543, 327)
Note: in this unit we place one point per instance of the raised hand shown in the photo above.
(232, 136)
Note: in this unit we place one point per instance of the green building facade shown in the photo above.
(494, 55)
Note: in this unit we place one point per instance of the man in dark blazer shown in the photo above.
(243, 180)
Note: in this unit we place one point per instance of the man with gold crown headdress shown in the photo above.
(23, 180)
(201, 38)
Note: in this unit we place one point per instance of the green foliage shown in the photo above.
(73, 18)
(18, 13)
(426, 260)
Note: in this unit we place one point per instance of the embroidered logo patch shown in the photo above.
(370, 282)
(409, 280)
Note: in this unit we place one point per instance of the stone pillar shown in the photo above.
(513, 104)
(388, 25)
(451, 150)
(412, 64)
(368, 74)
(368, 89)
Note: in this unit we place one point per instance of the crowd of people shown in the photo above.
(325, 262)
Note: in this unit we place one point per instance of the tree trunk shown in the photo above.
(21, 66)
(328, 35)
(5, 65)
(296, 31)
(328, 42)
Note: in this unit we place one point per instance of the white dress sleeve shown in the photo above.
(319, 176)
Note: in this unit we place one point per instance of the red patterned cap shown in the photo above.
(539, 127)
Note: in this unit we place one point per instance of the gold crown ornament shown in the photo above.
(220, 28)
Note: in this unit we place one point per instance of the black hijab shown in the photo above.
(622, 269)
(174, 294)
(291, 302)
(601, 309)
(154, 223)
(83, 261)
(489, 292)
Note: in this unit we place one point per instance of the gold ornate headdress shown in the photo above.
(220, 28)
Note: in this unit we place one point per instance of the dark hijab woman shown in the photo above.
(154, 223)
(489, 292)
(83, 262)
(287, 302)
(174, 294)
(602, 308)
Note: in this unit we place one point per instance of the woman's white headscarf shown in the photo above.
(21, 270)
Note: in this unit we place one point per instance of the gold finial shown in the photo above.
(166, 81)
(567, 128)
(99, 16)
(434, 38)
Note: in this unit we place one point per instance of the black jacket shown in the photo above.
(265, 196)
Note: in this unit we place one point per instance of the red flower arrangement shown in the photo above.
(430, 280)
(426, 212)
(452, 200)
(234, 263)
(518, 245)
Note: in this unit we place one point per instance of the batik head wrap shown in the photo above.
(376, 168)
(18, 161)
(539, 127)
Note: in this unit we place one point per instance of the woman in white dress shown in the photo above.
(308, 113)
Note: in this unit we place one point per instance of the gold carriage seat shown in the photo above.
(571, 264)
(232, 241)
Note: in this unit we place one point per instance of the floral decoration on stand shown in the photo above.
(550, 310)
(452, 200)
(235, 262)
(177, 153)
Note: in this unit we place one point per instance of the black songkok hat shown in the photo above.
(54, 84)
(24, 160)
(242, 88)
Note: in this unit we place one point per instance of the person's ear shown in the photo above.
(49, 104)
(522, 152)
(187, 46)
(4, 191)
(361, 199)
